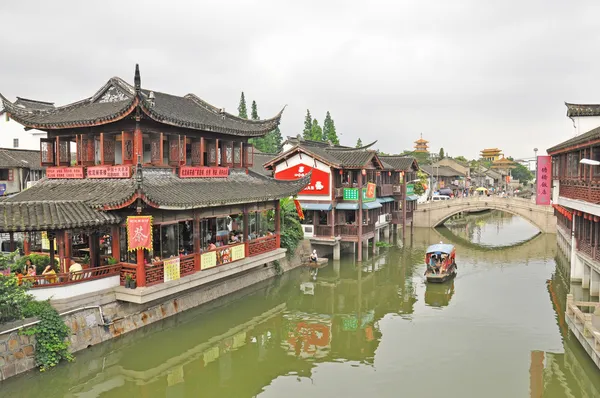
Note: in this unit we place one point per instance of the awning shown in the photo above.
(385, 199)
(371, 205)
(412, 197)
(347, 206)
(316, 206)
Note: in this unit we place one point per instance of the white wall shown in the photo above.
(11, 129)
(75, 289)
(309, 161)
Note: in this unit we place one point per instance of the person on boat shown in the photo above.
(313, 257)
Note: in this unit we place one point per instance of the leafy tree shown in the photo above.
(254, 110)
(461, 158)
(441, 153)
(329, 132)
(13, 299)
(316, 132)
(291, 229)
(242, 111)
(420, 185)
(522, 173)
(306, 133)
(358, 143)
(275, 140)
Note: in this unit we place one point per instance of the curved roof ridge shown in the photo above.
(349, 149)
(199, 101)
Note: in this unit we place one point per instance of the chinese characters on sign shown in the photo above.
(319, 179)
(370, 191)
(139, 232)
(171, 269)
(350, 193)
(109, 171)
(208, 260)
(237, 252)
(410, 189)
(544, 180)
(203, 172)
(64, 172)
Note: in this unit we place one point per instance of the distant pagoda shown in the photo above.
(490, 154)
(421, 145)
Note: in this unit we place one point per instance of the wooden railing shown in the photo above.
(323, 230)
(155, 273)
(352, 230)
(588, 191)
(52, 280)
(187, 264)
(130, 269)
(262, 245)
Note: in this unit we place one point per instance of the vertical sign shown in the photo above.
(172, 269)
(139, 232)
(544, 177)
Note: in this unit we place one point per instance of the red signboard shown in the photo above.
(371, 190)
(203, 172)
(120, 171)
(319, 180)
(544, 180)
(139, 232)
(64, 172)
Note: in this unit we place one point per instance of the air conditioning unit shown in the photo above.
(388, 217)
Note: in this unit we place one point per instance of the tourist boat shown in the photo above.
(441, 263)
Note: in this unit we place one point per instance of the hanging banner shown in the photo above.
(371, 190)
(299, 209)
(172, 269)
(139, 232)
(544, 178)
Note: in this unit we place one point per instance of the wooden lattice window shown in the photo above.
(127, 149)
(155, 155)
(182, 146)
(196, 153)
(212, 154)
(248, 155)
(47, 152)
(237, 155)
(174, 151)
(108, 149)
(227, 154)
(64, 152)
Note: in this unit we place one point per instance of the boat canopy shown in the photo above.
(440, 248)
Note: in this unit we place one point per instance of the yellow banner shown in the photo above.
(171, 269)
(238, 252)
(208, 260)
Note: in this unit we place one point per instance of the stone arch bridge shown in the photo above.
(432, 214)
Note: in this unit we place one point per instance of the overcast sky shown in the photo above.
(467, 74)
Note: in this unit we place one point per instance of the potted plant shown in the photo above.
(128, 280)
(133, 283)
(111, 261)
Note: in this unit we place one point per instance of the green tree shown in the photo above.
(242, 111)
(275, 141)
(521, 173)
(441, 153)
(358, 143)
(461, 158)
(306, 133)
(254, 110)
(420, 185)
(316, 132)
(329, 132)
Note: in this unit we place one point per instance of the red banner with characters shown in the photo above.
(544, 180)
(319, 179)
(139, 232)
(299, 209)
(371, 190)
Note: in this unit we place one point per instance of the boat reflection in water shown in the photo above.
(438, 295)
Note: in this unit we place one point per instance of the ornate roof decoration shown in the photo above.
(578, 110)
(116, 99)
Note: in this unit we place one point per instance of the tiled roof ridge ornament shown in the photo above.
(137, 79)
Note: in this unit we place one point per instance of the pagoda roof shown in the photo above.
(161, 188)
(399, 163)
(421, 141)
(117, 99)
(491, 150)
(503, 163)
(577, 110)
(333, 155)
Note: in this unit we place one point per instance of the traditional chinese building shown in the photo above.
(421, 145)
(574, 178)
(161, 188)
(352, 194)
(490, 154)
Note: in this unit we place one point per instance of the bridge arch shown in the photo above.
(434, 214)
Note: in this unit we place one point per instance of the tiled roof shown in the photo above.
(34, 104)
(49, 215)
(335, 155)
(442, 171)
(166, 190)
(592, 135)
(116, 99)
(259, 160)
(20, 158)
(94, 192)
(400, 163)
(575, 110)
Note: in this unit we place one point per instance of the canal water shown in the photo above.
(374, 329)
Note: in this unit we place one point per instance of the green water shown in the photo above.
(374, 329)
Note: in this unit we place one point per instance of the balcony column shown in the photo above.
(403, 208)
(51, 247)
(60, 242)
(11, 237)
(245, 231)
(197, 244)
(26, 244)
(277, 222)
(332, 221)
(115, 242)
(140, 268)
(68, 252)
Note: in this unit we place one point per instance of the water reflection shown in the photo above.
(491, 228)
(372, 328)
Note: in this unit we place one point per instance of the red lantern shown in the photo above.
(363, 172)
(341, 172)
(390, 173)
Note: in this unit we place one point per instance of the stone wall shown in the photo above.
(88, 328)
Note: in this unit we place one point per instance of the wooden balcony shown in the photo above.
(323, 230)
(352, 230)
(385, 190)
(588, 191)
(67, 278)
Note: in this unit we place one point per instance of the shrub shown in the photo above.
(13, 299)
